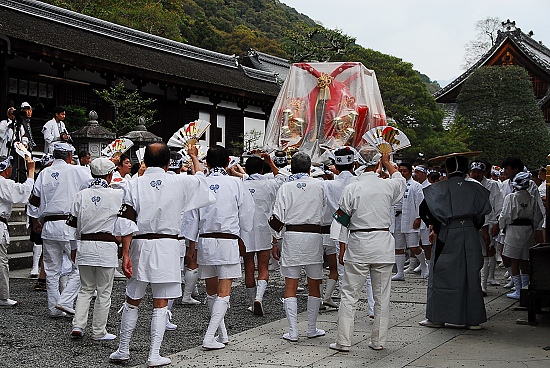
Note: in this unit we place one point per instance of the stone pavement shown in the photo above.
(501, 343)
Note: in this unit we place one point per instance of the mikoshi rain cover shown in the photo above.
(325, 106)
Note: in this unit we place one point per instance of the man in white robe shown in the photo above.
(92, 219)
(258, 240)
(297, 216)
(367, 213)
(215, 230)
(478, 170)
(406, 225)
(421, 176)
(6, 133)
(53, 194)
(149, 222)
(10, 193)
(511, 166)
(344, 162)
(54, 130)
(519, 217)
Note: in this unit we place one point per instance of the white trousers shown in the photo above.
(94, 278)
(4, 269)
(53, 261)
(355, 275)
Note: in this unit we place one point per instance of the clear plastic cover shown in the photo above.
(325, 106)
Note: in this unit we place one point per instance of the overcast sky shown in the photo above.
(430, 34)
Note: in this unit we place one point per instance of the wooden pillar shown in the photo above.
(4, 77)
(60, 90)
(547, 230)
(214, 131)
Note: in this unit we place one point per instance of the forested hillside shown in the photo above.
(226, 26)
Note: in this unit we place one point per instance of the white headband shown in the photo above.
(344, 160)
(5, 163)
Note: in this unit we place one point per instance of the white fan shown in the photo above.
(140, 154)
(233, 161)
(387, 139)
(118, 145)
(21, 149)
(189, 134)
(201, 155)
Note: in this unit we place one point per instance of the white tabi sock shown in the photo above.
(260, 289)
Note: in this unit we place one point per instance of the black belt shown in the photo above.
(325, 229)
(219, 236)
(106, 237)
(306, 228)
(397, 213)
(369, 230)
(155, 236)
(55, 218)
(4, 221)
(522, 222)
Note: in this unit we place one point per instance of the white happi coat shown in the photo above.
(264, 190)
(333, 191)
(506, 188)
(495, 198)
(158, 199)
(10, 193)
(52, 132)
(369, 202)
(56, 186)
(300, 201)
(410, 204)
(6, 136)
(519, 205)
(95, 210)
(232, 213)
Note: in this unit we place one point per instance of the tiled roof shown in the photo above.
(61, 29)
(269, 63)
(536, 51)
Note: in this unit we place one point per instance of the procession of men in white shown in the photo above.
(224, 214)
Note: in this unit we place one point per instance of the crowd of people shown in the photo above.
(361, 216)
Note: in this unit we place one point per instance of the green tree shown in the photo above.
(128, 108)
(308, 43)
(500, 113)
(486, 36)
(76, 117)
(408, 103)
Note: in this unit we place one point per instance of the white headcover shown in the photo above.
(63, 146)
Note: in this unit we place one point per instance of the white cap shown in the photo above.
(25, 105)
(63, 146)
(102, 166)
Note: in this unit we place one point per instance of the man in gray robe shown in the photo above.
(456, 209)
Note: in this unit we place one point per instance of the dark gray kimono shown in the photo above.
(456, 208)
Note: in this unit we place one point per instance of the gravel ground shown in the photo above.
(30, 338)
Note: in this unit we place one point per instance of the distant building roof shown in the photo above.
(533, 50)
(267, 63)
(105, 43)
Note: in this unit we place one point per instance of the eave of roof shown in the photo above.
(63, 30)
(537, 53)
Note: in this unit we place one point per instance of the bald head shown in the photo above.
(157, 155)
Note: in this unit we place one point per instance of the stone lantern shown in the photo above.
(141, 138)
(93, 137)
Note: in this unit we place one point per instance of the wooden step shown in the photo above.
(18, 214)
(18, 228)
(19, 244)
(20, 260)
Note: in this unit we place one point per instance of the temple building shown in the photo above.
(50, 56)
(512, 47)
